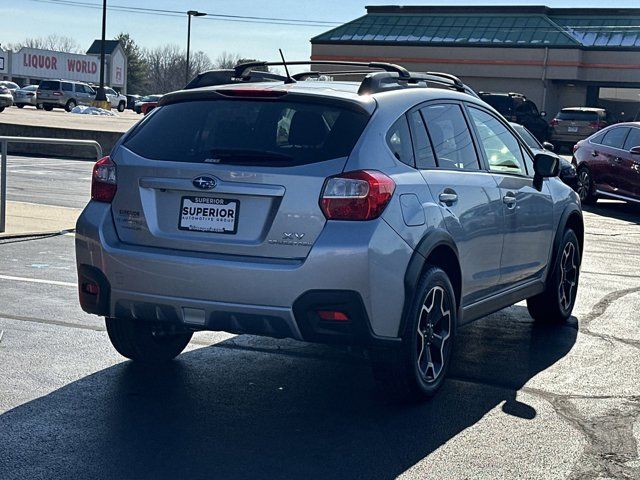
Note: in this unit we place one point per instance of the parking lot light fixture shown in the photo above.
(190, 13)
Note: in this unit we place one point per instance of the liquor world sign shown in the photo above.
(29, 62)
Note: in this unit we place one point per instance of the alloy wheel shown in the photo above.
(434, 330)
(584, 184)
(568, 276)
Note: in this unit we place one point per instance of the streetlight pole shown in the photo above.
(101, 95)
(190, 13)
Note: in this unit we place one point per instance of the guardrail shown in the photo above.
(5, 141)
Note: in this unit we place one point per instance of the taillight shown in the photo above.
(594, 124)
(103, 181)
(30, 94)
(359, 195)
(57, 94)
(554, 122)
(576, 147)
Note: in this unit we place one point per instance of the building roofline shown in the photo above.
(493, 9)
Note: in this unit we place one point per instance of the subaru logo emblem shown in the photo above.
(204, 182)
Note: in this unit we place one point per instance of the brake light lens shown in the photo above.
(333, 316)
(359, 195)
(104, 180)
(58, 94)
(252, 92)
(554, 122)
(594, 124)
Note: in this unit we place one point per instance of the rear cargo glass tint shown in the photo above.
(253, 132)
(578, 116)
(49, 85)
(502, 104)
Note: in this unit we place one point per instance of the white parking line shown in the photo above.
(38, 280)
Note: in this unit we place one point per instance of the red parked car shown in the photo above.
(146, 107)
(608, 164)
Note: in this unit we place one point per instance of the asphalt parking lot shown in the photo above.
(522, 400)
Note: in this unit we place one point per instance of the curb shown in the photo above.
(52, 233)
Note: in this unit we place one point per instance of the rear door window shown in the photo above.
(615, 137)
(450, 136)
(633, 139)
(67, 87)
(253, 132)
(425, 157)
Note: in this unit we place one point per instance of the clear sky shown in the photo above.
(33, 18)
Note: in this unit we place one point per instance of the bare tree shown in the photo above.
(227, 60)
(167, 65)
(55, 42)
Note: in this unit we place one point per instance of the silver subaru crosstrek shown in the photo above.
(384, 213)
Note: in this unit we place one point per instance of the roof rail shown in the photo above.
(388, 76)
(385, 81)
(403, 73)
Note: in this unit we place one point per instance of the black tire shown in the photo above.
(48, 108)
(1, 109)
(585, 187)
(71, 104)
(555, 304)
(20, 105)
(416, 369)
(39, 106)
(146, 342)
(121, 106)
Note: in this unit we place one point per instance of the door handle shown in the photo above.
(594, 154)
(617, 159)
(448, 197)
(509, 200)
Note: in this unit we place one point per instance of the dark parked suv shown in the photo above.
(609, 164)
(515, 107)
(382, 213)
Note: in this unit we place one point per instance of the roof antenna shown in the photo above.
(284, 62)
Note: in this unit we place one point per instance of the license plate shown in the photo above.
(208, 214)
(572, 129)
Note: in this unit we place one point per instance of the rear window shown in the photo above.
(502, 104)
(252, 132)
(49, 85)
(577, 115)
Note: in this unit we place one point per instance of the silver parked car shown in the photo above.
(26, 96)
(363, 213)
(12, 86)
(6, 99)
(65, 94)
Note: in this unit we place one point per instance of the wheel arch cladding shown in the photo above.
(437, 249)
(571, 218)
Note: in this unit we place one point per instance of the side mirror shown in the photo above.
(635, 150)
(548, 146)
(544, 166)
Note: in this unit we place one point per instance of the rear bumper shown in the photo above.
(6, 100)
(357, 267)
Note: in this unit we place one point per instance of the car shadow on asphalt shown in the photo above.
(627, 212)
(226, 411)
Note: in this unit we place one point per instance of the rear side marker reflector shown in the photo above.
(333, 316)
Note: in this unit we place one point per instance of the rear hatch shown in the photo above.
(233, 175)
(49, 89)
(577, 122)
